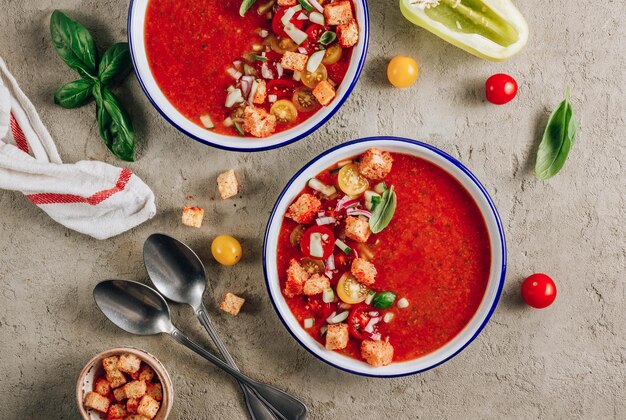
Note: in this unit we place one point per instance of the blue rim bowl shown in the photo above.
(462, 175)
(136, 40)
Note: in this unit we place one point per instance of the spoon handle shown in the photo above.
(281, 402)
(256, 407)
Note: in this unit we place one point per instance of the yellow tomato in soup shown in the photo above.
(351, 181)
(311, 80)
(226, 250)
(350, 290)
(402, 71)
(285, 111)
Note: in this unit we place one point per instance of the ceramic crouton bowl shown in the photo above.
(94, 370)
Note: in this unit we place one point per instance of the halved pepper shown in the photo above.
(491, 29)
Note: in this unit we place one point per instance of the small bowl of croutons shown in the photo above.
(124, 383)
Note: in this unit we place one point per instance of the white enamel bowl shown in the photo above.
(471, 184)
(136, 39)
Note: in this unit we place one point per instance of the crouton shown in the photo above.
(136, 417)
(261, 92)
(304, 209)
(192, 216)
(357, 229)
(324, 92)
(227, 184)
(294, 61)
(316, 285)
(135, 389)
(337, 336)
(129, 363)
(148, 406)
(232, 304)
(377, 353)
(296, 277)
(259, 122)
(131, 405)
(116, 411)
(134, 376)
(119, 394)
(364, 271)
(338, 13)
(97, 402)
(102, 387)
(287, 2)
(348, 34)
(146, 373)
(116, 378)
(375, 164)
(110, 363)
(155, 391)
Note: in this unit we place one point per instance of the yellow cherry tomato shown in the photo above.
(226, 250)
(311, 80)
(332, 54)
(350, 290)
(285, 111)
(351, 181)
(402, 71)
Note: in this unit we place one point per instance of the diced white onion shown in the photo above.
(388, 317)
(234, 73)
(315, 247)
(272, 98)
(314, 61)
(325, 221)
(342, 245)
(297, 75)
(257, 47)
(330, 317)
(317, 17)
(290, 13)
(295, 34)
(302, 16)
(370, 297)
(336, 319)
(228, 122)
(263, 33)
(317, 6)
(376, 337)
(321, 213)
(403, 303)
(234, 97)
(370, 325)
(329, 274)
(330, 262)
(302, 50)
(373, 313)
(206, 121)
(325, 237)
(279, 70)
(266, 72)
(309, 322)
(253, 89)
(328, 295)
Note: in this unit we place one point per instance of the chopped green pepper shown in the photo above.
(491, 29)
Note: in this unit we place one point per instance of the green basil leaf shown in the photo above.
(74, 94)
(558, 139)
(327, 38)
(383, 300)
(114, 124)
(116, 61)
(74, 44)
(245, 6)
(384, 211)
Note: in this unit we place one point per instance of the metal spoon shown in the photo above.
(179, 275)
(141, 310)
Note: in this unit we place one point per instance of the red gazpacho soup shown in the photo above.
(384, 257)
(254, 72)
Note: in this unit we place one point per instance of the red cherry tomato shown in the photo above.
(357, 321)
(277, 24)
(500, 88)
(321, 308)
(328, 244)
(282, 88)
(539, 291)
(314, 32)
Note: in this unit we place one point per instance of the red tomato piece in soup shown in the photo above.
(279, 28)
(318, 242)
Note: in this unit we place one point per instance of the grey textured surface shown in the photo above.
(568, 361)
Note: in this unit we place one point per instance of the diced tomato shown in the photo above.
(328, 244)
(357, 321)
(282, 88)
(321, 308)
(314, 31)
(277, 24)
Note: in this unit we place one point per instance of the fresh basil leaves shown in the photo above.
(558, 139)
(383, 211)
(76, 47)
(327, 38)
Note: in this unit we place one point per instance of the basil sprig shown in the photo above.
(558, 139)
(383, 212)
(327, 38)
(76, 47)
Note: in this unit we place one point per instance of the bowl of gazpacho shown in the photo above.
(248, 75)
(384, 256)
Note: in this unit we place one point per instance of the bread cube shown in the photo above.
(287, 3)
(232, 304)
(119, 394)
(97, 402)
(227, 184)
(364, 271)
(375, 164)
(315, 285)
(146, 373)
(116, 411)
(135, 389)
(304, 209)
(296, 277)
(324, 92)
(377, 353)
(115, 378)
(136, 417)
(148, 406)
(110, 363)
(192, 216)
(261, 92)
(348, 34)
(129, 363)
(357, 229)
(337, 336)
(155, 391)
(131, 405)
(102, 387)
(258, 122)
(338, 13)
(294, 61)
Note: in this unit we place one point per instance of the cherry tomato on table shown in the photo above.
(500, 89)
(328, 244)
(538, 291)
(277, 24)
(226, 250)
(402, 71)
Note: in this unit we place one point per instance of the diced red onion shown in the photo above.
(266, 72)
(359, 212)
(325, 220)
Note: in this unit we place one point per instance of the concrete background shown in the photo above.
(568, 361)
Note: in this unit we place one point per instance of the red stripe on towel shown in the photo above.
(18, 135)
(95, 199)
